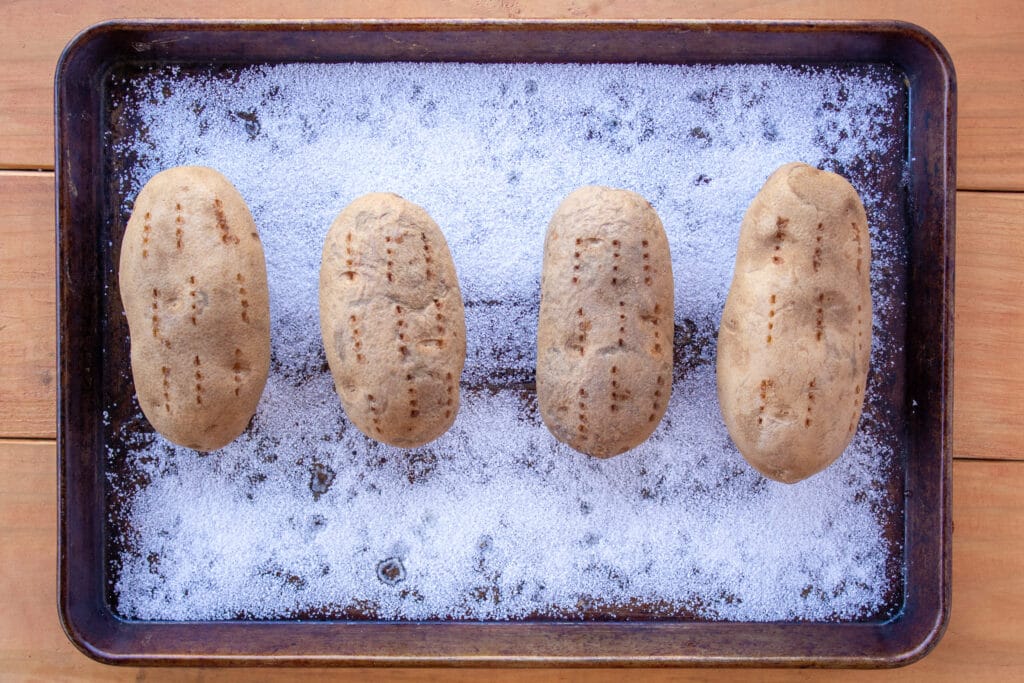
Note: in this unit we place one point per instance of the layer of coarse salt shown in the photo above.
(496, 520)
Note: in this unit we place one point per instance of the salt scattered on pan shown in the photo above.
(303, 515)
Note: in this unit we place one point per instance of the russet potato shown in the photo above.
(193, 281)
(392, 320)
(795, 338)
(604, 337)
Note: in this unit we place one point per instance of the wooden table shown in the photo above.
(985, 638)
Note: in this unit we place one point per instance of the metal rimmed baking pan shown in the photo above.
(88, 220)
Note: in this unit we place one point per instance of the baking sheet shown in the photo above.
(886, 416)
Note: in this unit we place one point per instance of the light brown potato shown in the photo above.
(795, 339)
(193, 282)
(392, 320)
(604, 338)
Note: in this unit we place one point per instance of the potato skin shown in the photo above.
(392, 320)
(604, 337)
(795, 339)
(193, 281)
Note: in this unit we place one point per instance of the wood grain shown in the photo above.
(985, 639)
(989, 345)
(984, 41)
(27, 305)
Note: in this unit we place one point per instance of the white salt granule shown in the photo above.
(302, 515)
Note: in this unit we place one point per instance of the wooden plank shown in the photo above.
(989, 352)
(985, 639)
(988, 370)
(27, 305)
(32, 644)
(986, 41)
